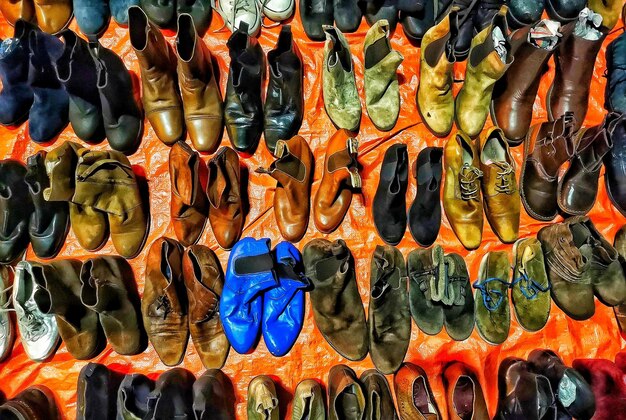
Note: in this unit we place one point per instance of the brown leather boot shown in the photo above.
(188, 206)
(34, 403)
(293, 171)
(225, 202)
(13, 10)
(157, 62)
(340, 177)
(204, 280)
(53, 15)
(202, 100)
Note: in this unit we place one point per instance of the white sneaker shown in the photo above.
(6, 326)
(278, 10)
(234, 12)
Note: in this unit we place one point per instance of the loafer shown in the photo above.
(315, 14)
(213, 396)
(36, 401)
(262, 399)
(132, 396)
(345, 394)
(493, 316)
(309, 401)
(97, 392)
(424, 216)
(378, 399)
(92, 17)
(413, 394)
(464, 394)
(172, 395)
(15, 210)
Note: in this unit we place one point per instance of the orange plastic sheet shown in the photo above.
(312, 357)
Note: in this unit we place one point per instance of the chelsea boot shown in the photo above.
(53, 15)
(119, 10)
(132, 396)
(16, 207)
(16, 97)
(524, 12)
(564, 10)
(92, 16)
(378, 10)
(424, 216)
(315, 14)
(200, 11)
(347, 15)
(422, 16)
(309, 401)
(97, 392)
(615, 170)
(615, 92)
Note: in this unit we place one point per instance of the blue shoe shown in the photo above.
(92, 16)
(249, 274)
(119, 10)
(615, 94)
(283, 306)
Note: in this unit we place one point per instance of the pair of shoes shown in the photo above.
(489, 58)
(36, 401)
(293, 171)
(51, 16)
(222, 202)
(608, 383)
(389, 207)
(529, 291)
(103, 195)
(263, 291)
(580, 263)
(180, 90)
(341, 97)
(165, 13)
(246, 116)
(93, 16)
(317, 14)
(181, 296)
(491, 169)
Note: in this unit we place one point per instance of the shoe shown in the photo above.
(499, 186)
(615, 91)
(382, 95)
(157, 64)
(426, 292)
(108, 287)
(213, 396)
(293, 172)
(347, 15)
(7, 328)
(340, 177)
(464, 394)
(161, 12)
(458, 316)
(224, 191)
(16, 209)
(262, 399)
(278, 10)
(200, 11)
(249, 275)
(423, 16)
(18, 9)
(379, 402)
(337, 306)
(97, 392)
(92, 17)
(540, 170)
(493, 316)
(608, 9)
(315, 14)
(198, 83)
(35, 402)
(308, 401)
(379, 10)
(241, 15)
(204, 282)
(389, 206)
(119, 10)
(164, 306)
(345, 394)
(132, 396)
(53, 16)
(466, 14)
(462, 199)
(244, 124)
(530, 288)
(564, 10)
(413, 394)
(284, 101)
(172, 397)
(615, 170)
(524, 13)
(389, 320)
(188, 205)
(16, 97)
(620, 310)
(424, 216)
(484, 13)
(607, 383)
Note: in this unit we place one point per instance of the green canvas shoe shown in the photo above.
(426, 273)
(459, 316)
(493, 317)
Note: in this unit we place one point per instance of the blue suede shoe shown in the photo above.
(524, 12)
(249, 274)
(283, 306)
(615, 94)
(119, 10)
(92, 16)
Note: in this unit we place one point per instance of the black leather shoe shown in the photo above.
(132, 396)
(97, 392)
(243, 108)
(615, 166)
(389, 205)
(213, 396)
(411, 6)
(172, 396)
(485, 11)
(466, 14)
(15, 210)
(161, 12)
(284, 101)
(425, 212)
(200, 11)
(564, 10)
(376, 10)
(524, 12)
(314, 14)
(416, 24)
(347, 14)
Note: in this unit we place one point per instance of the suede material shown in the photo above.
(119, 10)
(493, 325)
(379, 402)
(308, 401)
(424, 269)
(92, 16)
(262, 399)
(608, 9)
(459, 316)
(16, 97)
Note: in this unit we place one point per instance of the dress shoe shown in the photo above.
(161, 12)
(157, 63)
(198, 82)
(548, 146)
(119, 10)
(108, 287)
(188, 206)
(34, 403)
(172, 397)
(347, 15)
(224, 191)
(378, 399)
(250, 273)
(615, 92)
(293, 171)
(489, 58)
(608, 383)
(200, 11)
(92, 16)
(464, 394)
(132, 396)
(524, 13)
(337, 306)
(204, 281)
(7, 328)
(243, 109)
(262, 399)
(315, 14)
(462, 199)
(16, 208)
(242, 15)
(341, 98)
(16, 97)
(485, 11)
(308, 401)
(97, 392)
(435, 102)
(615, 170)
(416, 22)
(164, 302)
(345, 394)
(389, 206)
(564, 10)
(340, 177)
(413, 394)
(389, 321)
(493, 316)
(499, 186)
(378, 10)
(284, 101)
(213, 396)
(425, 212)
(53, 15)
(382, 95)
(18, 9)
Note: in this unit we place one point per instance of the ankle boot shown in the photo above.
(123, 122)
(50, 220)
(16, 97)
(524, 12)
(161, 12)
(18, 9)
(77, 72)
(564, 10)
(202, 100)
(161, 101)
(466, 13)
(15, 210)
(487, 63)
(96, 391)
(615, 93)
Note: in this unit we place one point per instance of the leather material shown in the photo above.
(161, 12)
(132, 397)
(379, 402)
(608, 9)
(18, 9)
(347, 15)
(524, 12)
(198, 82)
(309, 401)
(315, 14)
(172, 397)
(466, 16)
(345, 394)
(425, 212)
(164, 304)
(413, 394)
(16, 97)
(378, 10)
(615, 167)
(199, 10)
(564, 10)
(97, 392)
(389, 205)
(53, 15)
(92, 16)
(34, 403)
(484, 13)
(464, 394)
(15, 210)
(415, 23)
(213, 396)
(615, 93)
(493, 315)
(262, 399)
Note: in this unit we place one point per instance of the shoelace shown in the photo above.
(529, 287)
(31, 324)
(164, 302)
(504, 183)
(469, 178)
(492, 299)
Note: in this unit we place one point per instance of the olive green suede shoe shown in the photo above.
(530, 286)
(426, 273)
(308, 401)
(493, 316)
(459, 315)
(262, 399)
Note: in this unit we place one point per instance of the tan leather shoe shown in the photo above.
(464, 394)
(262, 399)
(340, 177)
(53, 15)
(413, 394)
(293, 171)
(499, 186)
(12, 10)
(462, 201)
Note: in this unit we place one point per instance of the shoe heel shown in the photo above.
(355, 178)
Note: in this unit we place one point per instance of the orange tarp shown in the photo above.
(312, 357)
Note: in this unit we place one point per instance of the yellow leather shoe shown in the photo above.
(53, 15)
